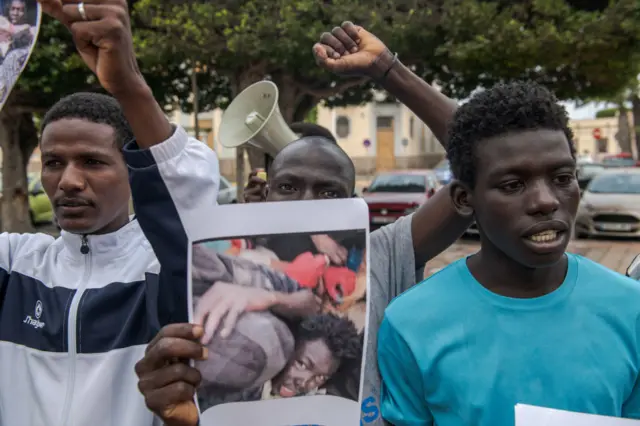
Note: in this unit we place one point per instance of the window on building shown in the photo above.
(343, 126)
(384, 122)
(412, 123)
(602, 144)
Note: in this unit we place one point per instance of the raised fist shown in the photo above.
(102, 34)
(349, 50)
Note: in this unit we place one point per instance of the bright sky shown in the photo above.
(587, 111)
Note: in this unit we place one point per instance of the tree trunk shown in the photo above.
(287, 100)
(635, 102)
(294, 103)
(29, 138)
(623, 136)
(18, 138)
(305, 106)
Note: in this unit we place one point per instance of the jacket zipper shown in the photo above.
(72, 331)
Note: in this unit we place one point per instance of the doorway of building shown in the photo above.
(385, 143)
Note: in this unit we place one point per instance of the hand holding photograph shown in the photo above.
(283, 301)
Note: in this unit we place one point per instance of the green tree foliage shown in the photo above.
(461, 44)
(579, 48)
(245, 42)
(578, 54)
(607, 113)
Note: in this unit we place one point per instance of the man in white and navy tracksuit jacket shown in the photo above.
(77, 313)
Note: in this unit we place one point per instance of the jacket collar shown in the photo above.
(112, 245)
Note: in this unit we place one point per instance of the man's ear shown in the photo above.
(462, 198)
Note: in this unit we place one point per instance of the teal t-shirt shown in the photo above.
(452, 353)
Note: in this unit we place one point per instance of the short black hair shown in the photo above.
(320, 143)
(512, 107)
(311, 129)
(339, 334)
(93, 107)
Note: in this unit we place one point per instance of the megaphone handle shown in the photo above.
(267, 163)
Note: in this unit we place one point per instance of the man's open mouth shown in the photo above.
(546, 242)
(546, 236)
(285, 392)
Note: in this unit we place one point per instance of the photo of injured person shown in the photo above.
(284, 315)
(19, 27)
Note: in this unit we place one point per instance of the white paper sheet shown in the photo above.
(529, 415)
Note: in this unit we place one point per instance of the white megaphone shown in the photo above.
(253, 117)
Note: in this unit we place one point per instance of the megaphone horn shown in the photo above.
(254, 118)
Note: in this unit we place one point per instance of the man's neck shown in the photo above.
(502, 275)
(112, 227)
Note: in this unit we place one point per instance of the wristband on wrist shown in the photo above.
(382, 65)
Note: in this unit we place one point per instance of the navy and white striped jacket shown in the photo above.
(73, 322)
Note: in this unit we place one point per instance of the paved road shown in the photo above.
(614, 254)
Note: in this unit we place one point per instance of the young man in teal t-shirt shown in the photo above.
(521, 321)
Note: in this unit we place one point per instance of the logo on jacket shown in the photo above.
(35, 322)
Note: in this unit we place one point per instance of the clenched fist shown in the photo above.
(351, 50)
(102, 34)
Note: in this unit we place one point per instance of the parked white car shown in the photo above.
(634, 269)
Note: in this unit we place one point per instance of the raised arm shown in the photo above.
(352, 50)
(171, 174)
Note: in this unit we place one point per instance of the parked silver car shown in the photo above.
(610, 205)
(634, 269)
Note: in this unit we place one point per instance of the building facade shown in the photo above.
(586, 142)
(377, 136)
(384, 136)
